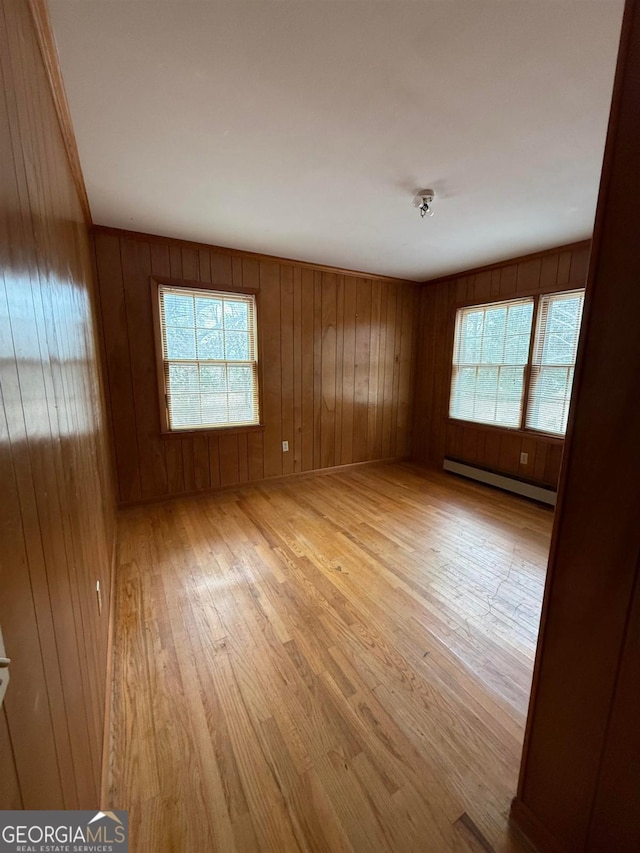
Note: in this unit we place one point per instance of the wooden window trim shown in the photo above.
(523, 430)
(562, 292)
(519, 298)
(526, 385)
(205, 431)
(165, 432)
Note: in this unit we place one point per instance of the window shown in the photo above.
(209, 361)
(490, 354)
(497, 380)
(553, 361)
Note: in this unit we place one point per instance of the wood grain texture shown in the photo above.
(57, 499)
(434, 435)
(229, 262)
(49, 52)
(579, 775)
(615, 819)
(10, 794)
(334, 663)
(337, 356)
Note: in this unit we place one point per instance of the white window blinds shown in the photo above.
(209, 358)
(491, 351)
(553, 361)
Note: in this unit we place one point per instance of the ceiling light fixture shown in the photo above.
(423, 200)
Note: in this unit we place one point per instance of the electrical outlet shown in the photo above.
(99, 595)
(285, 446)
(524, 458)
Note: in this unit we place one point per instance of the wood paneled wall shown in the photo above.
(337, 367)
(434, 435)
(56, 496)
(579, 788)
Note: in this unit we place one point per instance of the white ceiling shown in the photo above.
(302, 129)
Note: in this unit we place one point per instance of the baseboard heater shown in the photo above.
(500, 481)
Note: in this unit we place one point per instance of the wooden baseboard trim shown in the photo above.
(534, 832)
(283, 478)
(106, 730)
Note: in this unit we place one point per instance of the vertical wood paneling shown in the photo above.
(160, 266)
(34, 731)
(188, 465)
(118, 366)
(337, 358)
(214, 460)
(528, 276)
(578, 787)
(483, 286)
(328, 292)
(190, 264)
(57, 519)
(387, 425)
(251, 273)
(175, 467)
(317, 369)
(361, 371)
(395, 393)
(508, 280)
(270, 333)
(136, 263)
(175, 261)
(10, 795)
(201, 463)
(255, 461)
(374, 367)
(381, 336)
(339, 397)
(221, 270)
(307, 368)
(614, 822)
(348, 369)
(297, 368)
(243, 458)
(287, 366)
(487, 447)
(405, 375)
(229, 463)
(205, 266)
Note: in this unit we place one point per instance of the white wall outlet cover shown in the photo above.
(285, 446)
(524, 458)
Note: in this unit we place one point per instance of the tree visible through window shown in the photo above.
(491, 357)
(491, 351)
(553, 361)
(209, 358)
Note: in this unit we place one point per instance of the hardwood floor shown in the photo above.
(338, 663)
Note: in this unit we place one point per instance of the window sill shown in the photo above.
(531, 433)
(211, 431)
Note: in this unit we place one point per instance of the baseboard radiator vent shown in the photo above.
(500, 481)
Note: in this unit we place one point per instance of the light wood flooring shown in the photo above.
(335, 663)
